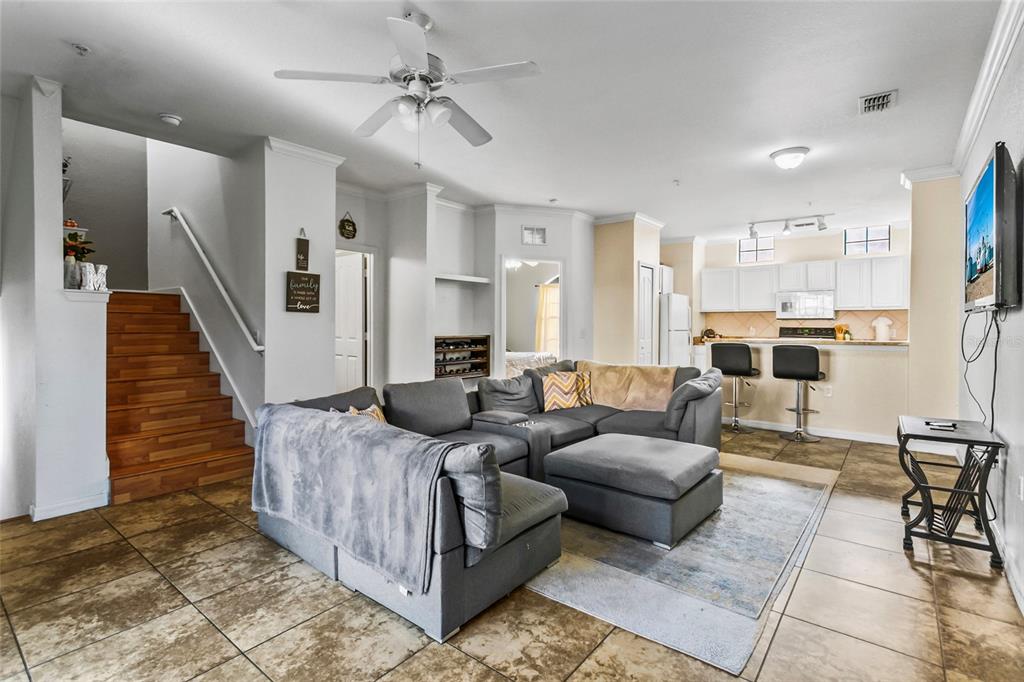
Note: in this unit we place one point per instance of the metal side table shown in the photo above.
(968, 496)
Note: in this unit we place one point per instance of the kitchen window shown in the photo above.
(756, 250)
(861, 240)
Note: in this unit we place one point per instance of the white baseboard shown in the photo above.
(919, 446)
(39, 513)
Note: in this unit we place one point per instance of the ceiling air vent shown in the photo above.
(879, 101)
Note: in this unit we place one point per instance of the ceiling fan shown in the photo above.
(421, 75)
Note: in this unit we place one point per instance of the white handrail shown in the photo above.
(174, 213)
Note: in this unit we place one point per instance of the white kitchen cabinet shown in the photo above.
(793, 277)
(718, 289)
(821, 275)
(756, 287)
(853, 284)
(889, 282)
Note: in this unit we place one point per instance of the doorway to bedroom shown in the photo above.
(353, 326)
(533, 314)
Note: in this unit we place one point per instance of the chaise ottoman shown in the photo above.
(653, 488)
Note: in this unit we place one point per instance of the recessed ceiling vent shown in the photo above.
(879, 101)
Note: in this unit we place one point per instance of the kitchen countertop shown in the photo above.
(768, 341)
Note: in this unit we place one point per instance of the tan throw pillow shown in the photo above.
(563, 390)
(373, 412)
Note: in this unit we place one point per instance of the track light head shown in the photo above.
(787, 229)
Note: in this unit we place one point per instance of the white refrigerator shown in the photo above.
(675, 337)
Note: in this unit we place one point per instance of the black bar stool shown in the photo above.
(799, 363)
(734, 360)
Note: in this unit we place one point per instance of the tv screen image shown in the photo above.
(981, 237)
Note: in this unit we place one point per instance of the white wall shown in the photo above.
(521, 304)
(1003, 122)
(108, 197)
(223, 201)
(300, 193)
(369, 210)
(9, 107)
(571, 243)
(52, 348)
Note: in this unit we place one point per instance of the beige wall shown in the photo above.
(936, 274)
(614, 295)
(801, 248)
(687, 260)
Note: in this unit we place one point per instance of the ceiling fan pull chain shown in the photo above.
(419, 131)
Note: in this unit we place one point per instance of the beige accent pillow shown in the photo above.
(629, 387)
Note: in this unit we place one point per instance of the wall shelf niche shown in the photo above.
(464, 357)
(467, 279)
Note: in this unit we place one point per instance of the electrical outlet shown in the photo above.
(828, 390)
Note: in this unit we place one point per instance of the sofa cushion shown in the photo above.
(476, 482)
(694, 389)
(506, 448)
(564, 429)
(359, 398)
(524, 504)
(639, 423)
(591, 414)
(428, 407)
(684, 374)
(512, 395)
(645, 466)
(537, 375)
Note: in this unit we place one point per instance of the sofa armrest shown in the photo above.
(536, 435)
(448, 532)
(702, 421)
(506, 417)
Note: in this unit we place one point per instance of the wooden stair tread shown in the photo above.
(149, 467)
(175, 401)
(172, 430)
(194, 375)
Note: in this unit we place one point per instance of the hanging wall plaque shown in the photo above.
(302, 252)
(347, 226)
(302, 293)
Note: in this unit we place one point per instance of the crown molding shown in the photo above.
(533, 210)
(448, 203)
(357, 191)
(47, 87)
(629, 217)
(415, 190)
(280, 146)
(1005, 32)
(681, 240)
(909, 177)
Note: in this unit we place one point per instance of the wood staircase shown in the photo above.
(168, 426)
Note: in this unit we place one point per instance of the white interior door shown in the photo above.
(645, 316)
(349, 321)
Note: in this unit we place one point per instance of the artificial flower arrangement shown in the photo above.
(75, 243)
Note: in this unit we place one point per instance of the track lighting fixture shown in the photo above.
(752, 230)
(800, 222)
(821, 224)
(787, 229)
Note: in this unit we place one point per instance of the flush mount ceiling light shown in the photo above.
(171, 119)
(790, 157)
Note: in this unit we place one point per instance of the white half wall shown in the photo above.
(223, 201)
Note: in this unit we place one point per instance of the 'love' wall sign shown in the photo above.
(303, 292)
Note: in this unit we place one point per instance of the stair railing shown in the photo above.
(175, 214)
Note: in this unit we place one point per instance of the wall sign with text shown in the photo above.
(302, 293)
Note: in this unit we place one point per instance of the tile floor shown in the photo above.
(184, 587)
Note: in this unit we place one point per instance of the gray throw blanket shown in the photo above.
(365, 486)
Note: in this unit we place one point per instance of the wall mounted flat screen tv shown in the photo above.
(992, 267)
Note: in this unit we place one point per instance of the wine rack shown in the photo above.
(464, 357)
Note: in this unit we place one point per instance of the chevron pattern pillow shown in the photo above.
(563, 390)
(373, 412)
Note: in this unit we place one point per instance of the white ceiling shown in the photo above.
(632, 96)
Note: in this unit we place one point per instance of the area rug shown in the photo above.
(710, 595)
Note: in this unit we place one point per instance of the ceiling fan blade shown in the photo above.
(465, 124)
(377, 119)
(411, 41)
(330, 76)
(496, 73)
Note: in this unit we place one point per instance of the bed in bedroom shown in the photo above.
(516, 361)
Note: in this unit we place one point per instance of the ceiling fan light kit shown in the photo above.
(421, 75)
(790, 157)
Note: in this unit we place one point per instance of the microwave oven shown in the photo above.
(805, 305)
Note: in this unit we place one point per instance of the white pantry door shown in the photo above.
(645, 316)
(349, 321)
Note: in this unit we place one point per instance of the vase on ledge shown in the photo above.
(72, 275)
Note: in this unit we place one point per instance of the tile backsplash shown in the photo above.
(764, 324)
